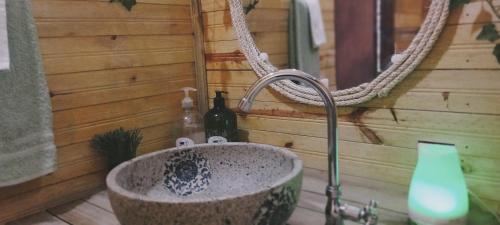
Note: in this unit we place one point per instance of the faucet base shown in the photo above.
(331, 220)
(367, 215)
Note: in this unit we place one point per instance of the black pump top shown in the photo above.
(219, 101)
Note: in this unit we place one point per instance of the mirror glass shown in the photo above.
(344, 42)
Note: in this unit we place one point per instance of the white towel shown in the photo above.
(317, 25)
(4, 42)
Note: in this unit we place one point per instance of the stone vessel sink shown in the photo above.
(209, 184)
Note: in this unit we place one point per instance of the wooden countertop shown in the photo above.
(96, 209)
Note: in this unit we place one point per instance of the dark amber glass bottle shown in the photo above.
(221, 121)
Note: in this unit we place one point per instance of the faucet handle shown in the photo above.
(369, 214)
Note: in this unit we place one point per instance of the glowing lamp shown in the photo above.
(438, 193)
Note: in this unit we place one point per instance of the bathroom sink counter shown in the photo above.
(96, 209)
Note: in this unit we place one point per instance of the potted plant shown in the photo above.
(118, 145)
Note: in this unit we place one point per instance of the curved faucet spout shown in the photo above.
(333, 189)
(335, 212)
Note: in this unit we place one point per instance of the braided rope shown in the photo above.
(379, 87)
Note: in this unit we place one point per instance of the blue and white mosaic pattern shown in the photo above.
(186, 172)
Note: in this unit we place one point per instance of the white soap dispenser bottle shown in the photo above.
(192, 127)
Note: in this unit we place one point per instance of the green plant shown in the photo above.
(251, 6)
(118, 145)
(127, 3)
(456, 3)
(496, 52)
(490, 33)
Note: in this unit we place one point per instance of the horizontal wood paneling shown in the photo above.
(70, 28)
(452, 97)
(104, 10)
(106, 68)
(268, 24)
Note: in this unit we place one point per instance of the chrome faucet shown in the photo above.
(335, 211)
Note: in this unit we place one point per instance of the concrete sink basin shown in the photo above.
(209, 184)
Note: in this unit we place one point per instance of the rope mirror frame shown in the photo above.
(379, 87)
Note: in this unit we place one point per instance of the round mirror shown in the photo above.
(360, 49)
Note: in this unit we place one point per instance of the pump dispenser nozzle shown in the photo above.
(187, 102)
(219, 99)
(221, 121)
(192, 121)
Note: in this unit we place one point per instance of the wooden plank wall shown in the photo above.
(106, 68)
(452, 97)
(408, 16)
(269, 24)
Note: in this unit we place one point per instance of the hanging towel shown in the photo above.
(27, 148)
(302, 53)
(317, 25)
(4, 47)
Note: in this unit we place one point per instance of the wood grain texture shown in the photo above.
(452, 97)
(96, 209)
(106, 68)
(42, 218)
(199, 56)
(268, 24)
(84, 213)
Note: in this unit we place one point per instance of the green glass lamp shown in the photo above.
(438, 193)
